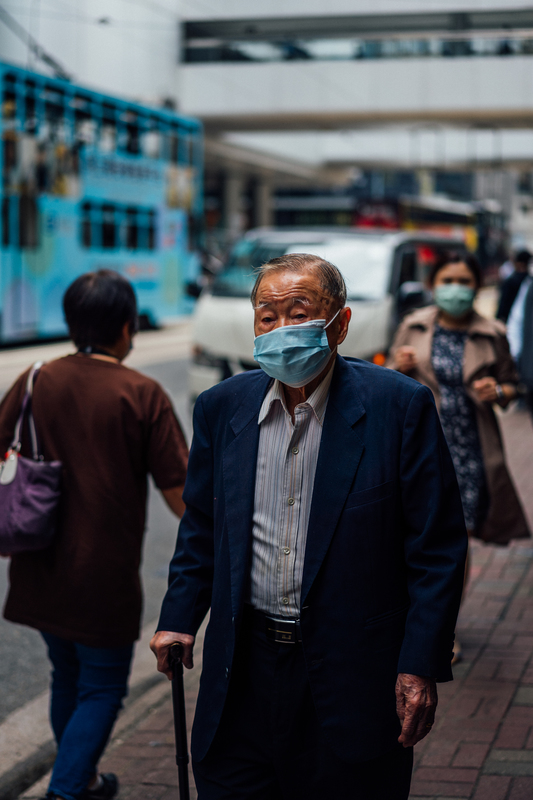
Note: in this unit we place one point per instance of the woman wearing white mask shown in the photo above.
(464, 359)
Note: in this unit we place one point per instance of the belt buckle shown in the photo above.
(282, 631)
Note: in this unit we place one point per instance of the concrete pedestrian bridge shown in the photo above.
(464, 68)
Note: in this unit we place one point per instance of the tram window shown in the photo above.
(30, 122)
(151, 144)
(108, 138)
(8, 97)
(25, 207)
(151, 230)
(54, 107)
(8, 106)
(10, 151)
(109, 232)
(108, 130)
(82, 104)
(173, 143)
(42, 172)
(133, 140)
(113, 226)
(187, 149)
(132, 230)
(6, 231)
(28, 222)
(85, 130)
(86, 237)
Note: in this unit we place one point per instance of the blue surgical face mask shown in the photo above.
(294, 354)
(455, 299)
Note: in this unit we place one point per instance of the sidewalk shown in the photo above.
(482, 745)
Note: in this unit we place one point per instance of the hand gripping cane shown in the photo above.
(180, 725)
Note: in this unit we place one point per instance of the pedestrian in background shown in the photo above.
(506, 269)
(109, 426)
(511, 285)
(520, 333)
(324, 532)
(464, 358)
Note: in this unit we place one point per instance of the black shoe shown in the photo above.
(106, 791)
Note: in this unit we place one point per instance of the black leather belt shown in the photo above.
(282, 630)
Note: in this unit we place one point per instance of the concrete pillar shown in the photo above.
(426, 182)
(263, 211)
(232, 204)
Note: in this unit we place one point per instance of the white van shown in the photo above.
(385, 276)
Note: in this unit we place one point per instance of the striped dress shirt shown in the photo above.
(285, 475)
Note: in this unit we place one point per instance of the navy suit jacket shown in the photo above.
(385, 553)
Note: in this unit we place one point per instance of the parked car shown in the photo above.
(385, 276)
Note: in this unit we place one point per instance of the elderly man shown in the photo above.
(324, 531)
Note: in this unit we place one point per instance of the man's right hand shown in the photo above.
(160, 645)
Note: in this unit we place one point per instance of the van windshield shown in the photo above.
(365, 265)
(238, 276)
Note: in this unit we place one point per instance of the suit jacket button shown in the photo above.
(227, 672)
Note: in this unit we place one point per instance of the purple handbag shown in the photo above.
(29, 489)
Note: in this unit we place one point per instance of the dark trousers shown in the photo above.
(269, 745)
(88, 684)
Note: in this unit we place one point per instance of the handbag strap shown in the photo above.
(26, 409)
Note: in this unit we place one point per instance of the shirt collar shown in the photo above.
(317, 401)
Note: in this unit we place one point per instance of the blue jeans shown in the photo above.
(88, 684)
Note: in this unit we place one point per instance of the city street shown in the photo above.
(24, 668)
(164, 162)
(482, 745)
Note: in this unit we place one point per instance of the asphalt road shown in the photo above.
(24, 668)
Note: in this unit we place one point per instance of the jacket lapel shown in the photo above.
(238, 468)
(338, 459)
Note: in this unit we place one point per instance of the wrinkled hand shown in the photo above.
(416, 703)
(485, 388)
(405, 359)
(160, 645)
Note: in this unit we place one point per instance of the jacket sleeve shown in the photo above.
(435, 543)
(188, 596)
(401, 337)
(505, 368)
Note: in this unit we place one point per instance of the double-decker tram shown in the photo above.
(90, 182)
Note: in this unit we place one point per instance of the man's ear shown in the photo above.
(344, 321)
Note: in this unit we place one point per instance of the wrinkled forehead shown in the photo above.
(291, 288)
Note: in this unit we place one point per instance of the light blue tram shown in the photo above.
(89, 182)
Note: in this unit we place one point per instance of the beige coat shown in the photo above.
(486, 353)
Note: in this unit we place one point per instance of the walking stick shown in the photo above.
(180, 725)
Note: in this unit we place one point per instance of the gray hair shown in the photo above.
(331, 279)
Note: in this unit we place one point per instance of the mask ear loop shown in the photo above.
(331, 320)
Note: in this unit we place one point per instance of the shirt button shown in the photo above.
(295, 451)
(285, 601)
(290, 501)
(286, 550)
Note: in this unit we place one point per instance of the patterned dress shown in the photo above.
(458, 418)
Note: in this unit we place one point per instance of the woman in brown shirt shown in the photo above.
(109, 426)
